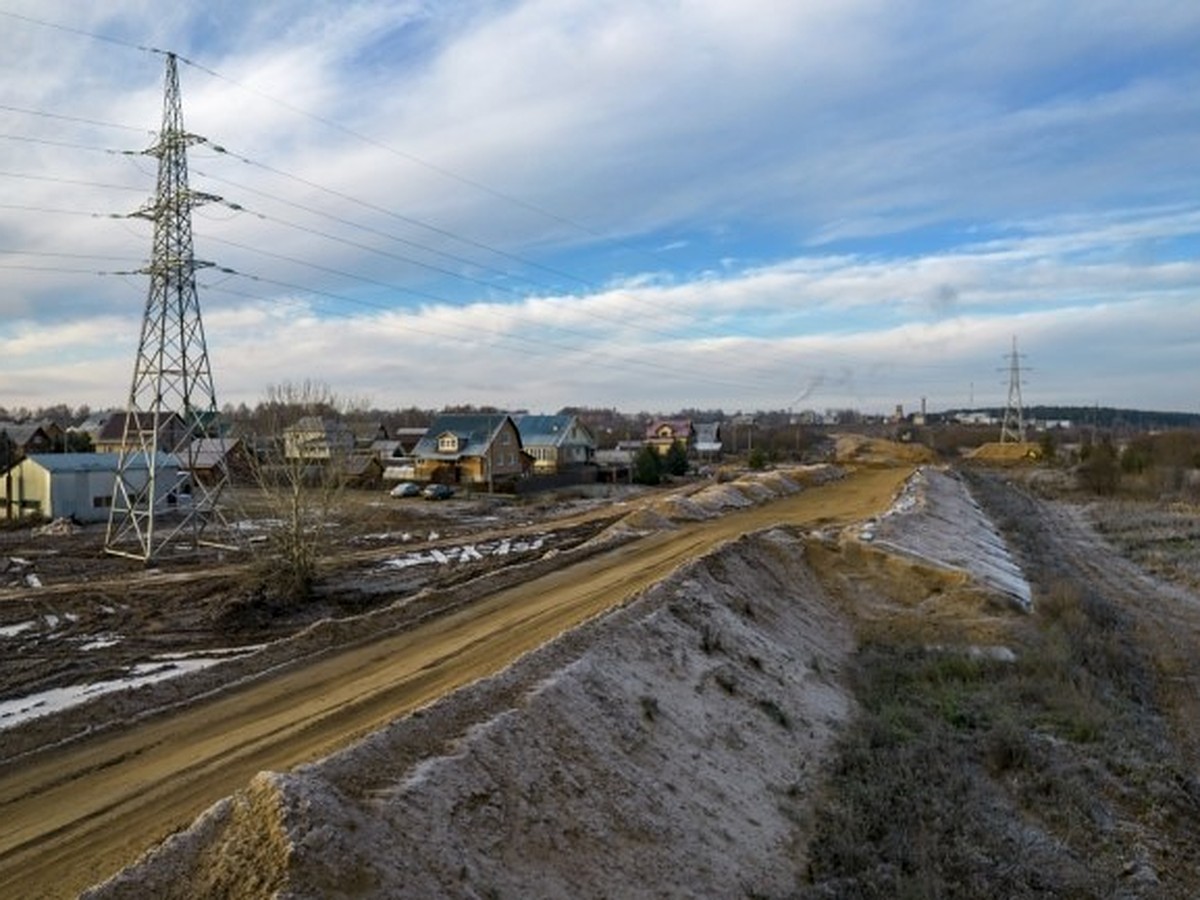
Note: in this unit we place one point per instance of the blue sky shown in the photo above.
(648, 205)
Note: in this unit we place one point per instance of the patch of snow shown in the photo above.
(468, 553)
(22, 709)
(14, 630)
(101, 641)
(31, 580)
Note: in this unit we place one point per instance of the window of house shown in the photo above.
(448, 443)
(102, 502)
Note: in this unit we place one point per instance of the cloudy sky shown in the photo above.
(652, 205)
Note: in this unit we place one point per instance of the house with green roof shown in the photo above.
(556, 443)
(472, 449)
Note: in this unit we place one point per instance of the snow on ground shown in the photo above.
(466, 553)
(7, 631)
(935, 519)
(32, 706)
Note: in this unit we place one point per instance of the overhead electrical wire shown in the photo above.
(692, 328)
(491, 285)
(625, 322)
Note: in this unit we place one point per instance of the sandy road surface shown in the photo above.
(71, 817)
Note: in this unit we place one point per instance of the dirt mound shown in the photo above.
(748, 489)
(862, 450)
(679, 752)
(1013, 453)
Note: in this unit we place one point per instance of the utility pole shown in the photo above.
(1013, 427)
(172, 404)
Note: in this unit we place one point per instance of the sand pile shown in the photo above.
(1012, 453)
(868, 451)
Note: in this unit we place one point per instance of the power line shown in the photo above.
(70, 29)
(76, 119)
(221, 150)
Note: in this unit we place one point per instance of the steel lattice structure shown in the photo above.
(172, 404)
(1013, 427)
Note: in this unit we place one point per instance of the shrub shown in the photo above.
(647, 467)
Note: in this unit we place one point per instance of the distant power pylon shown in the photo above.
(1013, 427)
(172, 416)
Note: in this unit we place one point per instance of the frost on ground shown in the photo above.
(710, 501)
(936, 520)
(670, 748)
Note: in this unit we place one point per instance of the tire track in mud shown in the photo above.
(72, 816)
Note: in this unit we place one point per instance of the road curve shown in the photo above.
(73, 816)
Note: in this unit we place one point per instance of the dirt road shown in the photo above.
(73, 816)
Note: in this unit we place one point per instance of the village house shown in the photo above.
(471, 448)
(211, 459)
(316, 439)
(114, 437)
(708, 443)
(556, 443)
(662, 433)
(18, 440)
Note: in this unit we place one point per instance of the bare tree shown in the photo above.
(298, 462)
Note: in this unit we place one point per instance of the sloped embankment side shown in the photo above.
(672, 747)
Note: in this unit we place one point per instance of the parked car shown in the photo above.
(406, 489)
(437, 492)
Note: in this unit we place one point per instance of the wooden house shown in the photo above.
(471, 448)
(556, 443)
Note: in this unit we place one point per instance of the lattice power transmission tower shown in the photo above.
(172, 417)
(1013, 427)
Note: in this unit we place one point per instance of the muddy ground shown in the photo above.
(72, 615)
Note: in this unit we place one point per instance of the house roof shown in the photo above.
(208, 453)
(357, 465)
(679, 427)
(386, 448)
(113, 428)
(543, 430)
(96, 420)
(93, 462)
(22, 433)
(474, 431)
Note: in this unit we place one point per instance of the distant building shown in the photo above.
(471, 448)
(80, 485)
(314, 439)
(26, 438)
(662, 433)
(708, 442)
(556, 443)
(119, 433)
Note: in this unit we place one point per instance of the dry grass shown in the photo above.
(1162, 538)
(969, 776)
